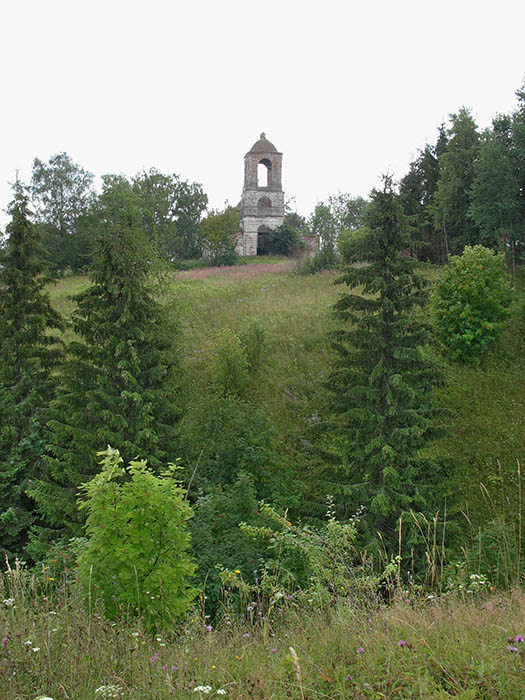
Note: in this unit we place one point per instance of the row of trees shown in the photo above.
(469, 187)
(68, 211)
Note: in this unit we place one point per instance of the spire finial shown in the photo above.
(263, 135)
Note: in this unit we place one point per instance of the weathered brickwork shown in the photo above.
(262, 207)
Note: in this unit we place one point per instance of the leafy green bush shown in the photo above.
(471, 303)
(136, 556)
(230, 364)
(347, 242)
(217, 540)
(285, 240)
(222, 435)
(323, 260)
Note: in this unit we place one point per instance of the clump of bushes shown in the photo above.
(471, 303)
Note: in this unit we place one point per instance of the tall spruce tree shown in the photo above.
(29, 351)
(118, 384)
(381, 382)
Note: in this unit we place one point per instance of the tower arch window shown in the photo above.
(264, 205)
(264, 169)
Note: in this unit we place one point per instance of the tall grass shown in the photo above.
(466, 646)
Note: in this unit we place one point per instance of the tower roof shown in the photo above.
(263, 146)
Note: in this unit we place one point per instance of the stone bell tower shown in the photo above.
(262, 203)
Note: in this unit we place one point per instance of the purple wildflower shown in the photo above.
(273, 651)
(511, 648)
(348, 678)
(208, 627)
(246, 635)
(174, 667)
(518, 639)
(361, 650)
(164, 667)
(401, 643)
(249, 608)
(154, 657)
(4, 641)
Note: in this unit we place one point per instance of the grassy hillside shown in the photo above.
(487, 404)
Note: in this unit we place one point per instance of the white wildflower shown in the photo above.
(221, 691)
(134, 634)
(109, 691)
(202, 689)
(35, 649)
(28, 643)
(9, 602)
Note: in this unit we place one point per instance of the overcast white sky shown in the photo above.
(346, 90)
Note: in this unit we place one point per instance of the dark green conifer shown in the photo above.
(381, 381)
(29, 351)
(118, 383)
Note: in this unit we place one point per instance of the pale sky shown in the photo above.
(345, 90)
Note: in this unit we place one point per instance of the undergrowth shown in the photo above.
(463, 646)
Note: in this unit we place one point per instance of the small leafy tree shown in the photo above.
(137, 553)
(471, 303)
(218, 236)
(285, 240)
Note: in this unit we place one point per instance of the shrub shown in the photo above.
(322, 260)
(230, 364)
(347, 242)
(217, 540)
(136, 556)
(471, 303)
(222, 435)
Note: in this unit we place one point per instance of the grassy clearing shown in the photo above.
(433, 648)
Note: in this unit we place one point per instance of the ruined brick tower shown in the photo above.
(262, 203)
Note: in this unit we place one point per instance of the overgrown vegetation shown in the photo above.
(232, 377)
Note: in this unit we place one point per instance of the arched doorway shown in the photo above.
(264, 240)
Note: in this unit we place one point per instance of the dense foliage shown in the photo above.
(471, 302)
(136, 555)
(233, 378)
(118, 385)
(381, 381)
(29, 352)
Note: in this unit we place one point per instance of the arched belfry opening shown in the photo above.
(264, 170)
(262, 203)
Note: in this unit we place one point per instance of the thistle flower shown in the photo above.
(512, 649)
(361, 650)
(401, 643)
